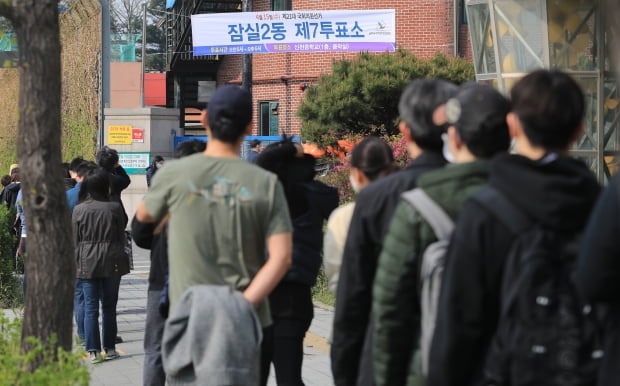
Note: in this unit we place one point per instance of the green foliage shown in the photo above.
(78, 140)
(59, 367)
(10, 286)
(361, 95)
(320, 291)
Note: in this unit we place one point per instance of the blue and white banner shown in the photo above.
(293, 31)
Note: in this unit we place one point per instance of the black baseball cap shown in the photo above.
(473, 104)
(231, 103)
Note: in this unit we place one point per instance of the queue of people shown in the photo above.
(497, 268)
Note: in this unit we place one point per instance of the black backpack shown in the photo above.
(547, 334)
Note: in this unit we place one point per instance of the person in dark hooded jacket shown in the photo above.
(310, 203)
(546, 184)
(158, 161)
(598, 273)
(6, 180)
(351, 349)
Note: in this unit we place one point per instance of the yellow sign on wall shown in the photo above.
(119, 135)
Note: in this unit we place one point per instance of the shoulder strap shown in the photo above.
(437, 218)
(497, 203)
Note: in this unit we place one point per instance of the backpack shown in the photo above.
(431, 271)
(547, 334)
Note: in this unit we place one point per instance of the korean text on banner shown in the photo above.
(119, 135)
(134, 163)
(293, 31)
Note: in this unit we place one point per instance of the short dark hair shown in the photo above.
(479, 114)
(77, 161)
(190, 147)
(292, 168)
(65, 170)
(6, 179)
(550, 106)
(373, 157)
(107, 158)
(96, 185)
(254, 143)
(229, 112)
(85, 167)
(417, 104)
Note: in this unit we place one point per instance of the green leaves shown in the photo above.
(361, 95)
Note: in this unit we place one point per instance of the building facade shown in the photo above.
(279, 79)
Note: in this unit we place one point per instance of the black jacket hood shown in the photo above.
(556, 191)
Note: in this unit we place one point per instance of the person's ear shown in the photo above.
(359, 177)
(203, 118)
(404, 130)
(515, 128)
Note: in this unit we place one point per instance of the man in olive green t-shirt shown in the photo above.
(224, 212)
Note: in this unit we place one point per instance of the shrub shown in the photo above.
(58, 368)
(338, 175)
(320, 291)
(10, 286)
(361, 95)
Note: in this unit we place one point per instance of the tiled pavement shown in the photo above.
(127, 370)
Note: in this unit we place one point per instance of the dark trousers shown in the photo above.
(153, 370)
(292, 311)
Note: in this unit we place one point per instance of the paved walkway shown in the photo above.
(127, 370)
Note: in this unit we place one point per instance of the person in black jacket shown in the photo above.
(158, 161)
(375, 204)
(547, 185)
(154, 237)
(598, 273)
(6, 180)
(11, 190)
(107, 158)
(310, 203)
(98, 229)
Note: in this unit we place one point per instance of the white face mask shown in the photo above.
(447, 154)
(354, 185)
(159, 165)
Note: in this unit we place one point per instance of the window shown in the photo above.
(268, 118)
(281, 5)
(463, 13)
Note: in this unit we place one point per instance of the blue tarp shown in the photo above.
(170, 3)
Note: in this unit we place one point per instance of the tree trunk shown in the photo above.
(50, 262)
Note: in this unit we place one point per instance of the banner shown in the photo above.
(134, 163)
(293, 31)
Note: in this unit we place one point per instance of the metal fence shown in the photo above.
(245, 146)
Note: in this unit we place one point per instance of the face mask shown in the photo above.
(159, 165)
(447, 154)
(354, 184)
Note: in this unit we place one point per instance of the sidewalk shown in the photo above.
(131, 310)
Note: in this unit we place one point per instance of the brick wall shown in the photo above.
(423, 27)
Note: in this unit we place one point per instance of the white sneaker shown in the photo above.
(95, 357)
(111, 354)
